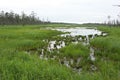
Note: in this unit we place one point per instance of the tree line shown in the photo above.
(114, 22)
(11, 18)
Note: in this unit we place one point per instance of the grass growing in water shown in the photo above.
(75, 51)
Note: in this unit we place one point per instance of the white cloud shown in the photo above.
(65, 10)
(31, 3)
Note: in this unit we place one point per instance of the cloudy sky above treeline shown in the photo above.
(75, 11)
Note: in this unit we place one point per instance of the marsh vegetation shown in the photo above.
(37, 52)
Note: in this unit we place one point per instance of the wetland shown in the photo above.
(48, 52)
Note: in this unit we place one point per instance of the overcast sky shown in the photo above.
(75, 11)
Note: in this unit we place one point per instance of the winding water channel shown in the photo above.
(72, 35)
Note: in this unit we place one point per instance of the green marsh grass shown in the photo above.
(75, 51)
(108, 46)
(16, 64)
(22, 66)
(107, 52)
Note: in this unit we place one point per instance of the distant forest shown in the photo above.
(11, 18)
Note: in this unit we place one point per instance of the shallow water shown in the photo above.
(79, 31)
(76, 35)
